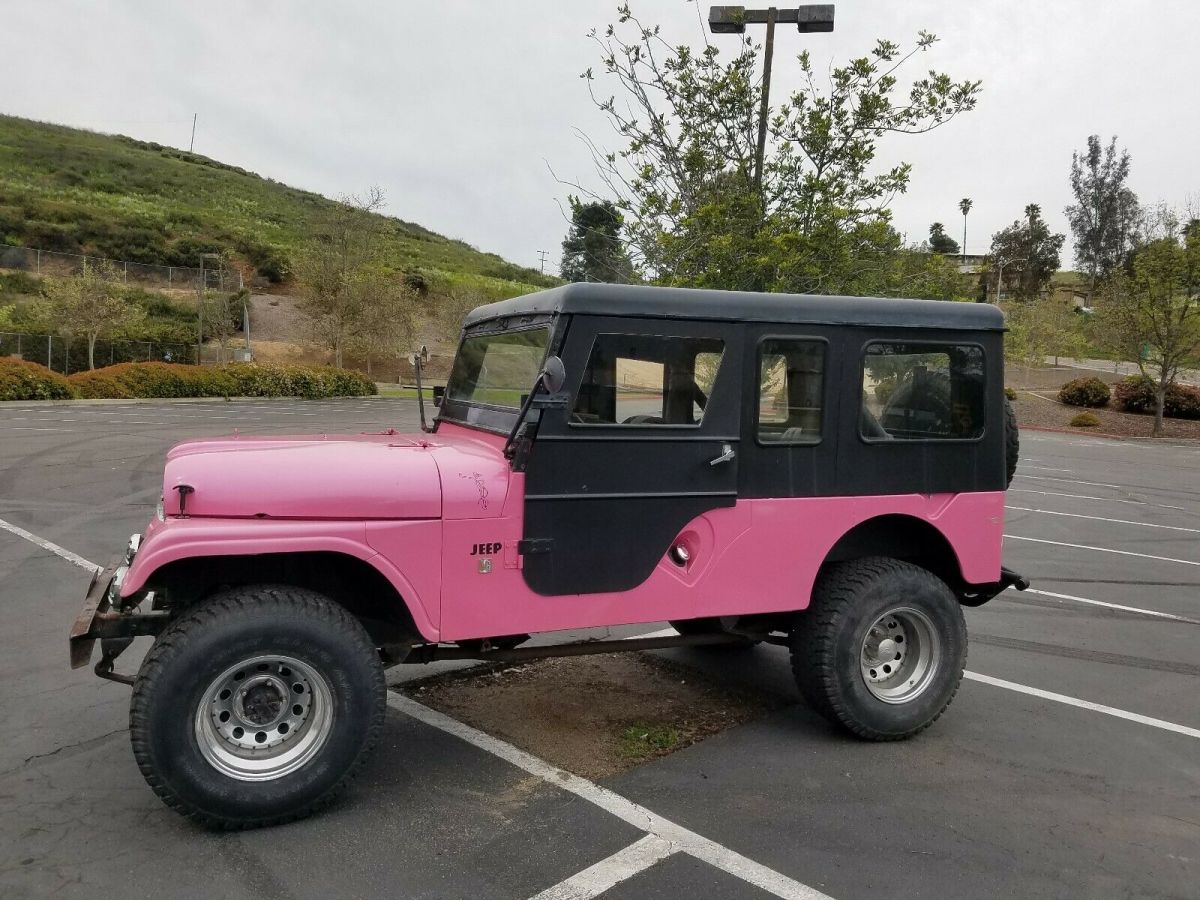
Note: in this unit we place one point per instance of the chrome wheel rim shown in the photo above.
(900, 656)
(264, 718)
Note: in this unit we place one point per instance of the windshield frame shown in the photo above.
(489, 416)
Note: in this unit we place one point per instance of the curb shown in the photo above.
(34, 404)
(1086, 432)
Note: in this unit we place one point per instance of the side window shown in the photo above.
(922, 392)
(647, 379)
(790, 389)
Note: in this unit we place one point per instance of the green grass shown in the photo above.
(644, 740)
(77, 191)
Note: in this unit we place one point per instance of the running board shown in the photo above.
(427, 653)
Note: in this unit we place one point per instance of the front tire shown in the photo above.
(256, 707)
(882, 648)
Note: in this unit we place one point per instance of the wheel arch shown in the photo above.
(350, 581)
(903, 537)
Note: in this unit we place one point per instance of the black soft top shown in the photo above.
(743, 306)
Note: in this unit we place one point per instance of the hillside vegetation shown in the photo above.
(77, 191)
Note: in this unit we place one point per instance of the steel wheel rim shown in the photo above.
(900, 655)
(264, 718)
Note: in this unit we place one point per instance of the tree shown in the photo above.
(387, 325)
(1104, 216)
(940, 242)
(683, 181)
(964, 206)
(1029, 253)
(341, 276)
(592, 249)
(1150, 311)
(91, 304)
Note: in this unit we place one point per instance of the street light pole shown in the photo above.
(733, 20)
(1000, 275)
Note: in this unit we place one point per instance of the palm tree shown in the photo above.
(965, 205)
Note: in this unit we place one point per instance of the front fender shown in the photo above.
(177, 539)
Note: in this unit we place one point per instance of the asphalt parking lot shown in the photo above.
(1068, 765)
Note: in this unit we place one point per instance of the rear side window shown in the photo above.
(643, 380)
(790, 384)
(920, 392)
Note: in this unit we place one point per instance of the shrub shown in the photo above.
(159, 380)
(21, 380)
(1089, 391)
(1085, 420)
(1010, 393)
(1136, 394)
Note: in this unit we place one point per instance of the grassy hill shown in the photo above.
(78, 191)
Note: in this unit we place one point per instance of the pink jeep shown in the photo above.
(825, 473)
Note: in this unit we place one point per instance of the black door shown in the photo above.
(648, 442)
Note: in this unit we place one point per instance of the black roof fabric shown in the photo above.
(744, 306)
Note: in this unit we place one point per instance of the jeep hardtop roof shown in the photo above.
(743, 306)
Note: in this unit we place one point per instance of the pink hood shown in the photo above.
(369, 476)
(457, 473)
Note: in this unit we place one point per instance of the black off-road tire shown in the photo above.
(828, 641)
(218, 634)
(1012, 442)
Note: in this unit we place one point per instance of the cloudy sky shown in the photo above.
(459, 109)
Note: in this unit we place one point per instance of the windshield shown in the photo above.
(495, 371)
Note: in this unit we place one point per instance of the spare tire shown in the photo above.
(1012, 442)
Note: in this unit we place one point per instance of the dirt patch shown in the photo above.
(594, 715)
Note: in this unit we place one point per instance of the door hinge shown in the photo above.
(530, 546)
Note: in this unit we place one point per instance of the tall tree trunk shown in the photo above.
(1160, 400)
(91, 351)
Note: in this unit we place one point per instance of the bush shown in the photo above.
(160, 380)
(1085, 420)
(21, 380)
(1136, 394)
(1090, 391)
(1010, 393)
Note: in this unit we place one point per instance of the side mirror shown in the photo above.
(439, 392)
(554, 375)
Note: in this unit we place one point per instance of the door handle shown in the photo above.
(727, 453)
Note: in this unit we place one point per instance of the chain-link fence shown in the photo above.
(51, 262)
(71, 355)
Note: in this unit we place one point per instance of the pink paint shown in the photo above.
(415, 506)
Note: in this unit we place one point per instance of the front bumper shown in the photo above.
(103, 618)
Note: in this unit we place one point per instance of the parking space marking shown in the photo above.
(1130, 609)
(607, 873)
(1084, 704)
(1186, 562)
(1053, 512)
(1013, 490)
(50, 545)
(683, 839)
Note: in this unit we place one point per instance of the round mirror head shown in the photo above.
(554, 375)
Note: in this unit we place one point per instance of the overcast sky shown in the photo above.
(457, 108)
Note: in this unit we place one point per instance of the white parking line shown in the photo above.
(1053, 512)
(51, 546)
(1044, 469)
(1186, 562)
(1131, 609)
(1013, 490)
(684, 840)
(607, 873)
(1084, 704)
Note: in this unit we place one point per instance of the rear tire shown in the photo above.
(256, 707)
(881, 649)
